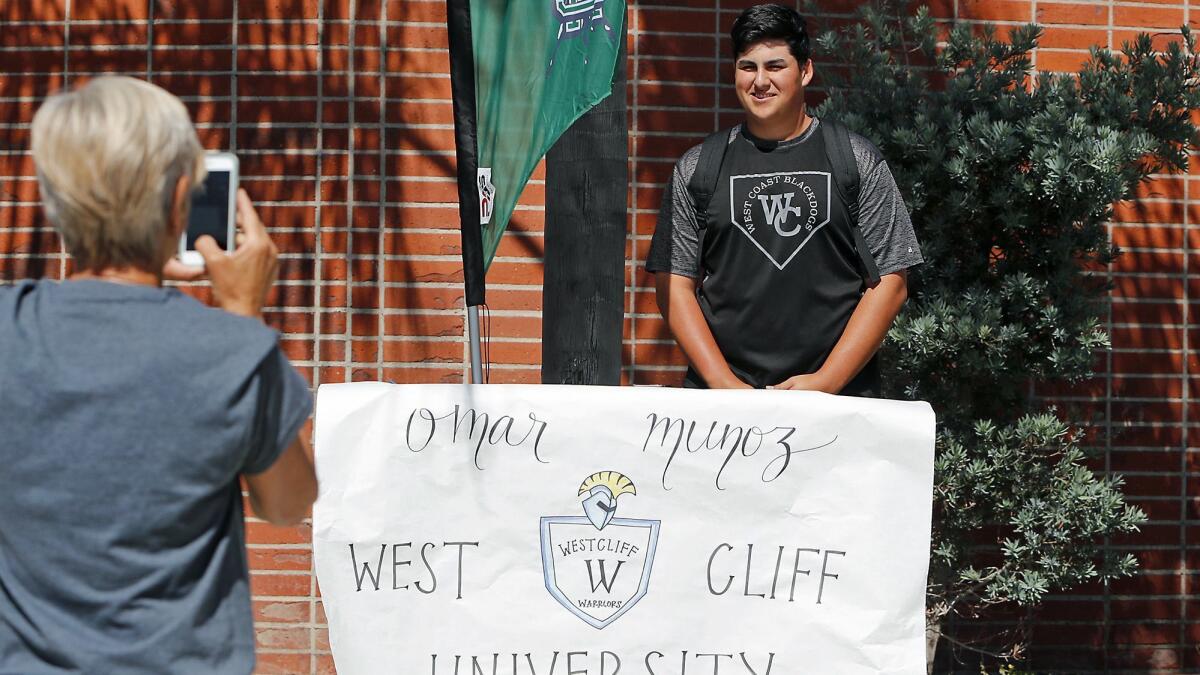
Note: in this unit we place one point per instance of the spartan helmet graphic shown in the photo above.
(601, 490)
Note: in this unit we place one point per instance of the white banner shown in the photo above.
(554, 530)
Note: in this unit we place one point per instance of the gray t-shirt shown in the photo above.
(128, 413)
(882, 216)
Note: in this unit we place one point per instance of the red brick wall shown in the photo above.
(339, 111)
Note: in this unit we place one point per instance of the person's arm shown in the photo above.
(865, 331)
(283, 494)
(674, 258)
(676, 295)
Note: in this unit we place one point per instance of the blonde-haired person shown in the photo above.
(130, 410)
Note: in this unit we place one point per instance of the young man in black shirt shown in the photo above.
(764, 284)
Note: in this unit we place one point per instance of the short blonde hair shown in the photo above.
(108, 157)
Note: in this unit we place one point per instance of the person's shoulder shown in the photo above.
(23, 287)
(9, 292)
(14, 296)
(686, 166)
(866, 153)
(193, 317)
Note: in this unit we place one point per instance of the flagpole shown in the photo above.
(524, 117)
(473, 334)
(462, 84)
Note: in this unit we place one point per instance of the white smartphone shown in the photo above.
(214, 208)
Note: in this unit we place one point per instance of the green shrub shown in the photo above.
(1010, 178)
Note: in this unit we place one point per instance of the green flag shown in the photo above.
(539, 65)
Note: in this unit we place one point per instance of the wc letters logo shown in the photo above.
(780, 212)
(597, 565)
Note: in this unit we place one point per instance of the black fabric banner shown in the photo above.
(462, 85)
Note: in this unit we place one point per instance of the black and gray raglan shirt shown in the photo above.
(776, 286)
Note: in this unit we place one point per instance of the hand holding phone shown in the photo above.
(213, 208)
(242, 279)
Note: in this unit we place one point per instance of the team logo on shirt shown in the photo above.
(780, 212)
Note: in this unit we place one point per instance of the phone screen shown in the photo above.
(210, 211)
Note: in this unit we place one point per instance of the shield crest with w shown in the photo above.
(598, 574)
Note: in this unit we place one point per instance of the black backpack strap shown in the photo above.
(845, 178)
(703, 184)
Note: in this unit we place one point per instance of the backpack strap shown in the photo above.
(703, 184)
(845, 178)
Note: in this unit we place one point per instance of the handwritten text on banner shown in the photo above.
(552, 530)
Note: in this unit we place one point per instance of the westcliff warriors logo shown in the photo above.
(597, 565)
(780, 212)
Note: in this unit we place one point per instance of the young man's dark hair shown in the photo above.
(771, 22)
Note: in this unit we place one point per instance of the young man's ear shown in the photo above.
(806, 73)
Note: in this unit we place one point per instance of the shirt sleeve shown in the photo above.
(882, 215)
(283, 404)
(675, 247)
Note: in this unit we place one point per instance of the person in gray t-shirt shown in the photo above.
(762, 289)
(130, 411)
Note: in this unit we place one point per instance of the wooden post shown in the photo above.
(587, 179)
